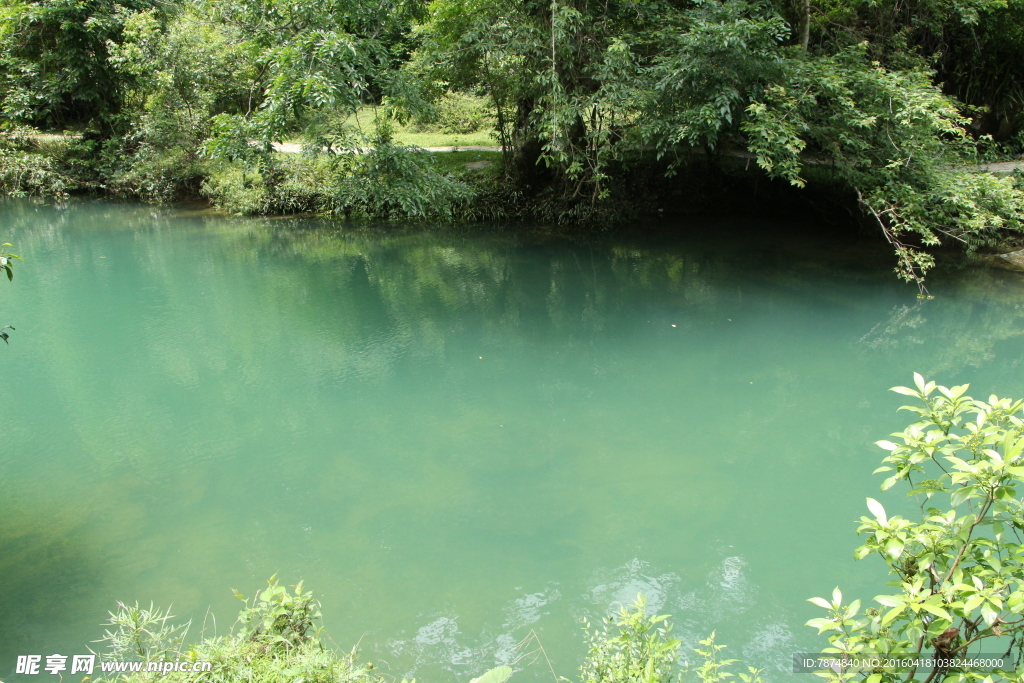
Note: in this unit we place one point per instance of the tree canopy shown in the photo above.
(890, 102)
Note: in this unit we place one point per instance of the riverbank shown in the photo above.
(393, 182)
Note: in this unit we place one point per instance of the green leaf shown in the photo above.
(821, 624)
(936, 610)
(960, 495)
(877, 510)
(891, 614)
(890, 600)
(972, 603)
(894, 548)
(919, 381)
(498, 674)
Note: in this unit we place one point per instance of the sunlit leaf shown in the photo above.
(877, 510)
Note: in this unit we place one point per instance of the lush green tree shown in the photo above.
(314, 56)
(184, 70)
(189, 98)
(980, 64)
(578, 87)
(54, 62)
(561, 75)
(974, 45)
(895, 140)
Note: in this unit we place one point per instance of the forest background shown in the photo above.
(602, 110)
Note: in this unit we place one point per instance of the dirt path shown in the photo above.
(295, 148)
(1000, 167)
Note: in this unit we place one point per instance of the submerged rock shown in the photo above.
(1013, 260)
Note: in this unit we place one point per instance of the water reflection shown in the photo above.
(454, 435)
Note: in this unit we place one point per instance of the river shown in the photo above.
(457, 435)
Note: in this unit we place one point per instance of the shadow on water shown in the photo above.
(46, 568)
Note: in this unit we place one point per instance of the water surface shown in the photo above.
(457, 436)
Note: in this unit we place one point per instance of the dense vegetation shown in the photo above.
(603, 109)
(277, 637)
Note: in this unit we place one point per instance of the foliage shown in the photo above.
(632, 647)
(279, 618)
(640, 649)
(28, 168)
(498, 674)
(895, 139)
(320, 55)
(707, 74)
(386, 181)
(979, 66)
(958, 568)
(457, 113)
(53, 56)
(974, 45)
(712, 669)
(7, 264)
(275, 639)
(395, 181)
(142, 634)
(185, 73)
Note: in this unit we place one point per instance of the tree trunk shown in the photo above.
(805, 25)
(529, 173)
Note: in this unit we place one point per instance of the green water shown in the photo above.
(455, 436)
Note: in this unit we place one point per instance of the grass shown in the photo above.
(405, 135)
(455, 162)
(450, 162)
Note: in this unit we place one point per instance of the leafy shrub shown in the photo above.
(386, 181)
(632, 647)
(282, 185)
(142, 634)
(275, 640)
(140, 166)
(459, 114)
(28, 169)
(959, 568)
(278, 618)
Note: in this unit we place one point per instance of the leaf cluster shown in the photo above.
(958, 567)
